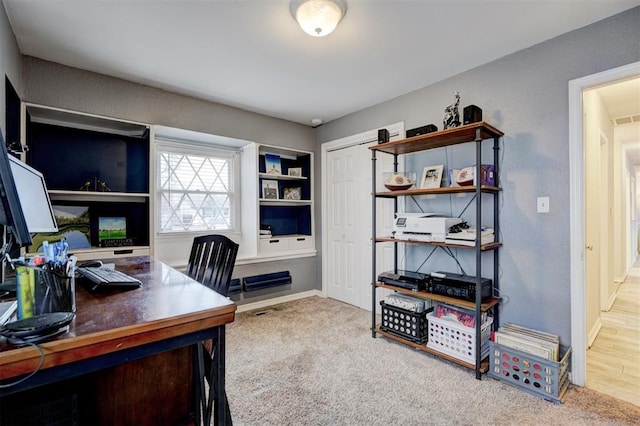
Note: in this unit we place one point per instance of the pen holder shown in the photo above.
(42, 291)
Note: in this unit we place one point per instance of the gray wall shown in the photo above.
(526, 96)
(57, 85)
(10, 64)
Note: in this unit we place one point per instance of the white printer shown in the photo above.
(427, 227)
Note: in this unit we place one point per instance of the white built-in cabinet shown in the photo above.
(105, 165)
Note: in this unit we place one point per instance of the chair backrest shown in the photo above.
(212, 260)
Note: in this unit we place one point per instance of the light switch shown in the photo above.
(543, 204)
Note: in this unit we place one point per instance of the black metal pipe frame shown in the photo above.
(373, 243)
(478, 252)
(496, 227)
(395, 209)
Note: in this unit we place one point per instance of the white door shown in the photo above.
(345, 211)
(347, 220)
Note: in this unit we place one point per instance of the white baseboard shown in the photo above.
(594, 333)
(277, 300)
(613, 296)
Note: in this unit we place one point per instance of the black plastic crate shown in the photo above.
(409, 325)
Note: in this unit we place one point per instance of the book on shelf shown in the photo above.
(265, 231)
(272, 164)
(467, 237)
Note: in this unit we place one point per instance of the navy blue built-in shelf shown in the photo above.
(286, 215)
(94, 162)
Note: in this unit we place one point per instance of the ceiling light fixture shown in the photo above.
(318, 18)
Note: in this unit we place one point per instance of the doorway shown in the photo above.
(346, 221)
(581, 248)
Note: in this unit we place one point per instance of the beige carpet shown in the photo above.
(313, 362)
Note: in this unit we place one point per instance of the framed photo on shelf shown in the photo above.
(432, 176)
(111, 228)
(73, 224)
(270, 189)
(295, 171)
(293, 193)
(272, 164)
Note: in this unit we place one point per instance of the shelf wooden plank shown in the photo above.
(280, 177)
(108, 196)
(439, 139)
(80, 120)
(484, 247)
(484, 365)
(487, 304)
(282, 202)
(437, 191)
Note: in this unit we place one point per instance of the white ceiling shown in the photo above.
(252, 55)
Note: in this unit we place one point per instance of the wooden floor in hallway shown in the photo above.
(613, 361)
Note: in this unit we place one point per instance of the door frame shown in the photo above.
(605, 247)
(348, 141)
(577, 214)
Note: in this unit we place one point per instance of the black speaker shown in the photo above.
(383, 135)
(471, 114)
(429, 128)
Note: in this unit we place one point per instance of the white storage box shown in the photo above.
(450, 337)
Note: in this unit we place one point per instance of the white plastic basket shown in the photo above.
(448, 336)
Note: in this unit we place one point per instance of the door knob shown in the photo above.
(589, 247)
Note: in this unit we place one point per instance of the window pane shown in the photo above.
(195, 192)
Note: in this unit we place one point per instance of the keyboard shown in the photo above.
(107, 278)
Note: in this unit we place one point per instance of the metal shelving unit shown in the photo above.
(472, 133)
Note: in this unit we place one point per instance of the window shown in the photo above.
(195, 187)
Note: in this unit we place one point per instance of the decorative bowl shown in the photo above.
(398, 181)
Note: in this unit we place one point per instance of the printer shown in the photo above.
(427, 227)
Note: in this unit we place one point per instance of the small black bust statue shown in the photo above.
(451, 114)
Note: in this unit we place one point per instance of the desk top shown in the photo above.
(168, 304)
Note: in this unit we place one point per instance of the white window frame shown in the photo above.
(189, 147)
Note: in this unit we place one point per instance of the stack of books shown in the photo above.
(265, 231)
(467, 237)
(524, 339)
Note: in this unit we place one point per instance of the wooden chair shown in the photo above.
(211, 262)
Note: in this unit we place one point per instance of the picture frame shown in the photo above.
(293, 193)
(73, 225)
(112, 228)
(270, 190)
(272, 164)
(295, 171)
(432, 176)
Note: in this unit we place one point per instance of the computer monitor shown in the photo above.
(11, 214)
(34, 197)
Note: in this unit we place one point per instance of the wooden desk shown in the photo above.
(136, 338)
